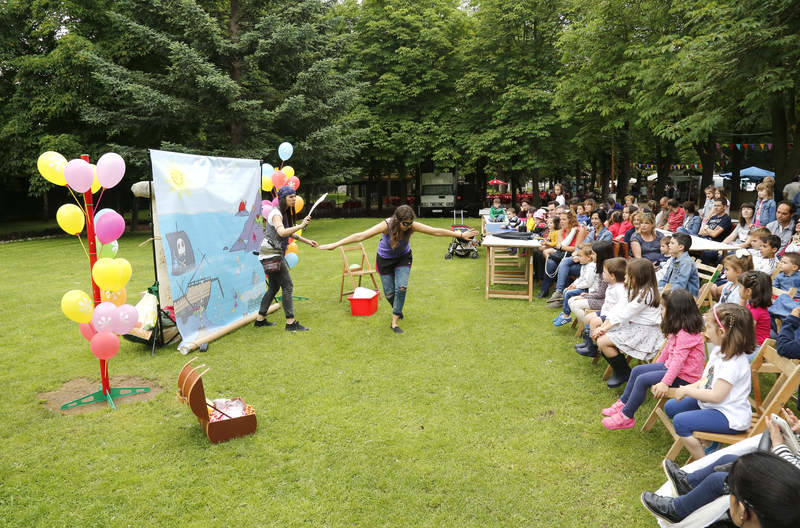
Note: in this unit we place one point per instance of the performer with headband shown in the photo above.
(394, 253)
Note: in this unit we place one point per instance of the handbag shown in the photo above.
(273, 261)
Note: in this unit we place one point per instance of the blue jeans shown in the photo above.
(569, 294)
(394, 287)
(642, 378)
(706, 487)
(688, 417)
(561, 271)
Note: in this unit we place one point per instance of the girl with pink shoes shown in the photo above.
(680, 363)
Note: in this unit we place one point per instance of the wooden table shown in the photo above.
(504, 269)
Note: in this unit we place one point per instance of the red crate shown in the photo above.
(363, 306)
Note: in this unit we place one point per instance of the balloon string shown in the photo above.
(97, 205)
(83, 207)
(84, 247)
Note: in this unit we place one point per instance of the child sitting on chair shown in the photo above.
(788, 277)
(682, 271)
(496, 212)
(680, 363)
(614, 276)
(512, 221)
(765, 259)
(583, 256)
(734, 265)
(661, 267)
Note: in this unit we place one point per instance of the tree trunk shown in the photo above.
(707, 153)
(593, 184)
(736, 177)
(480, 175)
(45, 206)
(625, 171)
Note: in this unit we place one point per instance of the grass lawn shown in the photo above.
(480, 415)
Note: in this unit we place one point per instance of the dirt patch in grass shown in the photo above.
(74, 389)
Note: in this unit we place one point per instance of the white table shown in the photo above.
(504, 269)
(704, 244)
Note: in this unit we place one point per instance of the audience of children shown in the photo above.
(681, 271)
(632, 327)
(587, 278)
(680, 363)
(718, 403)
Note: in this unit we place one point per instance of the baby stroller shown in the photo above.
(458, 246)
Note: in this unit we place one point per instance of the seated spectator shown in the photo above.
(692, 221)
(794, 243)
(589, 206)
(616, 226)
(765, 259)
(496, 212)
(762, 487)
(512, 220)
(755, 292)
(676, 215)
(661, 267)
(788, 341)
(580, 212)
(524, 211)
(593, 299)
(682, 271)
(629, 200)
(788, 277)
(614, 270)
(583, 256)
(571, 236)
(634, 227)
(708, 205)
(663, 214)
(718, 227)
(734, 265)
(783, 226)
(739, 235)
(647, 242)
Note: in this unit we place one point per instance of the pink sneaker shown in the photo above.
(614, 409)
(618, 421)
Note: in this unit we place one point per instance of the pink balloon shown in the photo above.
(110, 169)
(100, 213)
(104, 345)
(79, 175)
(87, 331)
(265, 209)
(109, 227)
(125, 319)
(103, 317)
(275, 202)
(293, 182)
(278, 179)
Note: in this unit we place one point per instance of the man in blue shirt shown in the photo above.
(682, 271)
(719, 226)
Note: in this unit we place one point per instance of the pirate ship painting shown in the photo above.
(195, 292)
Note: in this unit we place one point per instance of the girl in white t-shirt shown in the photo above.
(718, 403)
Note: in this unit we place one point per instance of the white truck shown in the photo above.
(438, 193)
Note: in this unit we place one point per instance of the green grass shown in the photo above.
(480, 415)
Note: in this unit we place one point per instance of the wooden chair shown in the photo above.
(357, 269)
(778, 396)
(708, 274)
(620, 249)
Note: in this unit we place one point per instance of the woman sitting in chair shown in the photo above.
(394, 253)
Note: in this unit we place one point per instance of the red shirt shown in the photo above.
(675, 219)
(761, 318)
(619, 229)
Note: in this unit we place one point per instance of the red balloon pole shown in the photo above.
(87, 197)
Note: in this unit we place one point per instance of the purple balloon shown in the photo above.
(104, 316)
(125, 319)
(109, 227)
(110, 169)
(79, 175)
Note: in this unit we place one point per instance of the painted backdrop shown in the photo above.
(208, 211)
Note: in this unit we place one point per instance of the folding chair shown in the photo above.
(708, 274)
(778, 396)
(358, 269)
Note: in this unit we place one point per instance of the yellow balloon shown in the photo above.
(125, 269)
(288, 171)
(108, 274)
(95, 182)
(292, 248)
(117, 297)
(299, 203)
(78, 306)
(51, 167)
(70, 218)
(299, 232)
(266, 183)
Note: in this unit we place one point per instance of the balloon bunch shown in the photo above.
(101, 324)
(272, 179)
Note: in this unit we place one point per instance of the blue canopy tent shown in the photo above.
(751, 173)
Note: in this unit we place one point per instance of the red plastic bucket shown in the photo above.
(363, 306)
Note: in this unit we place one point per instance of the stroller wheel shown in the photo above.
(448, 256)
(474, 255)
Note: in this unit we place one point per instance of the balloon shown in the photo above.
(87, 331)
(108, 250)
(266, 207)
(77, 306)
(107, 274)
(118, 297)
(292, 248)
(275, 202)
(266, 183)
(95, 182)
(109, 227)
(51, 167)
(104, 345)
(289, 172)
(103, 316)
(285, 151)
(125, 268)
(299, 232)
(292, 259)
(70, 218)
(79, 175)
(278, 179)
(110, 169)
(293, 182)
(299, 203)
(125, 319)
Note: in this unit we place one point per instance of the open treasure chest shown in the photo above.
(222, 419)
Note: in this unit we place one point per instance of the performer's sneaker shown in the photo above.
(295, 327)
(263, 322)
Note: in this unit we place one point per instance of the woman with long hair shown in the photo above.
(394, 253)
(279, 227)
